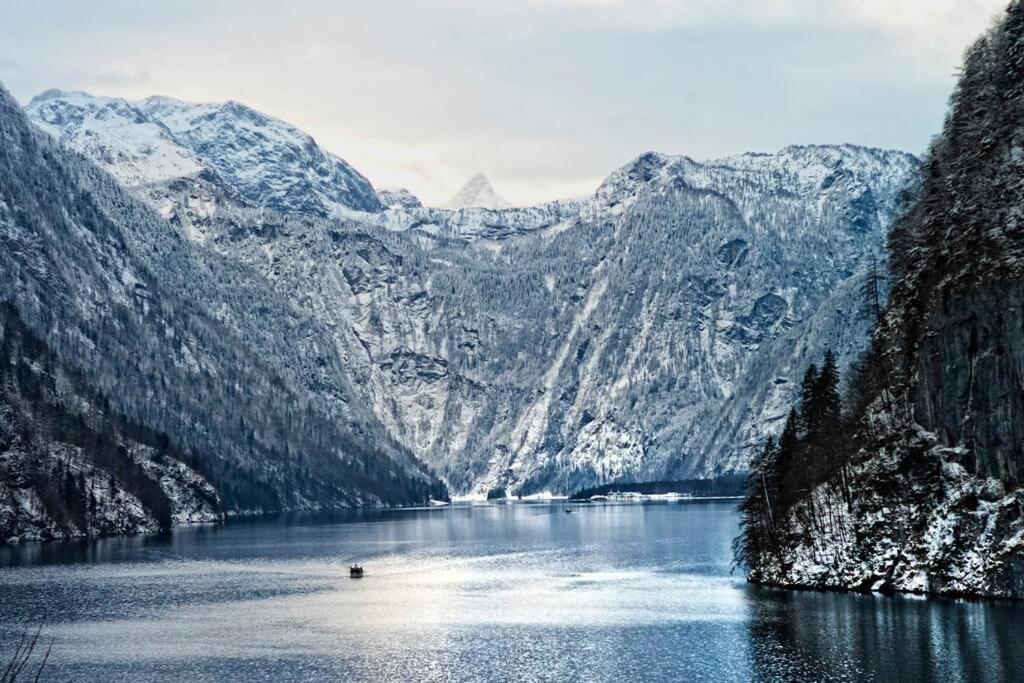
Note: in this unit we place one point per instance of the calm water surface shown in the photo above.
(481, 592)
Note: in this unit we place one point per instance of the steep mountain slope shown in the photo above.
(70, 466)
(184, 342)
(263, 161)
(655, 331)
(654, 334)
(935, 452)
(477, 193)
(117, 135)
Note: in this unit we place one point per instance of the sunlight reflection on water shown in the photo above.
(503, 592)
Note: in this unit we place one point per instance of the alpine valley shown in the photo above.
(148, 380)
(240, 314)
(656, 330)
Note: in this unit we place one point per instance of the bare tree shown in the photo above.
(17, 664)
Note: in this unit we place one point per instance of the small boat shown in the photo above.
(355, 572)
(568, 511)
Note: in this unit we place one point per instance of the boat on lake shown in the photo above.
(355, 572)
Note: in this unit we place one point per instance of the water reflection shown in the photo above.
(871, 637)
(499, 592)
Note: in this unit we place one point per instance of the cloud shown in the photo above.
(424, 169)
(922, 16)
(664, 14)
(924, 29)
(544, 96)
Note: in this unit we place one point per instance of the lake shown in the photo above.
(476, 592)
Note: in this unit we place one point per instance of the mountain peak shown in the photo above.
(57, 93)
(266, 161)
(398, 197)
(477, 193)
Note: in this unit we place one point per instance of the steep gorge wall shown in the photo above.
(925, 494)
(969, 386)
(955, 322)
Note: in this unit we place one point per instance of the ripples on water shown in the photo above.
(495, 592)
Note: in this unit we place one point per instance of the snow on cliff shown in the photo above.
(266, 161)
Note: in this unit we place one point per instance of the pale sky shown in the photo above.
(544, 96)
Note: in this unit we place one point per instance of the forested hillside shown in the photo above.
(72, 466)
(920, 489)
(183, 342)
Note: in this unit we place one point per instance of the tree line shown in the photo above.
(812, 449)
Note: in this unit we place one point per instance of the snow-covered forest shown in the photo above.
(916, 485)
(177, 340)
(653, 331)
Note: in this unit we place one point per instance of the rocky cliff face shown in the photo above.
(656, 330)
(968, 387)
(933, 499)
(954, 326)
(956, 318)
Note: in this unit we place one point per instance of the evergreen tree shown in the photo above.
(807, 389)
(757, 513)
(787, 471)
(808, 454)
(828, 404)
(871, 293)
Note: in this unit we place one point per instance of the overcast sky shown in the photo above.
(544, 96)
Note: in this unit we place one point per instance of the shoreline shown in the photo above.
(456, 502)
(893, 593)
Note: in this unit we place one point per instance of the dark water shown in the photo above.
(487, 593)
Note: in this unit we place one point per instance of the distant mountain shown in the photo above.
(477, 193)
(179, 340)
(448, 226)
(922, 491)
(397, 198)
(655, 331)
(264, 161)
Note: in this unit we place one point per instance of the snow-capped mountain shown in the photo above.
(477, 193)
(656, 330)
(166, 349)
(262, 160)
(398, 198)
(115, 134)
